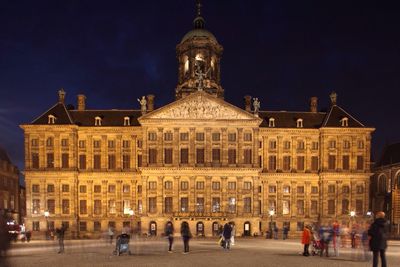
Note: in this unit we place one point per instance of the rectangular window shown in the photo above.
(215, 185)
(247, 185)
(152, 156)
(360, 144)
(82, 226)
(51, 206)
(346, 144)
(82, 206)
(184, 204)
(200, 204)
(184, 136)
(82, 162)
(139, 189)
(272, 163)
(139, 160)
(286, 189)
(184, 185)
(231, 185)
(200, 185)
(346, 162)
(314, 163)
(65, 206)
(286, 145)
(300, 190)
(272, 144)
(232, 205)
(111, 162)
(272, 189)
(97, 162)
(215, 204)
(152, 136)
(314, 207)
(64, 142)
(96, 143)
(97, 207)
(126, 188)
(50, 142)
(285, 207)
(111, 207)
(231, 137)
(360, 189)
(35, 206)
(35, 188)
(35, 142)
(332, 144)
(300, 145)
(331, 162)
(168, 136)
(50, 188)
(314, 189)
(216, 137)
(331, 206)
(82, 143)
(111, 188)
(286, 163)
(65, 188)
(152, 185)
(300, 163)
(65, 160)
(35, 226)
(126, 206)
(199, 136)
(168, 185)
(126, 162)
(346, 189)
(97, 226)
(82, 189)
(35, 160)
(97, 188)
(184, 155)
(271, 204)
(331, 189)
(247, 137)
(50, 160)
(168, 155)
(345, 206)
(247, 204)
(247, 156)
(300, 207)
(126, 144)
(111, 144)
(200, 155)
(216, 154)
(168, 208)
(314, 145)
(231, 156)
(360, 163)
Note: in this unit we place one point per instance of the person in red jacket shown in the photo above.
(306, 240)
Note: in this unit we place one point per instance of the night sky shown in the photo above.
(283, 52)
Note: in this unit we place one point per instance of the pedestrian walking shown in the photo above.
(276, 232)
(60, 235)
(233, 234)
(306, 240)
(186, 235)
(110, 234)
(285, 232)
(336, 238)
(169, 233)
(326, 237)
(227, 234)
(378, 239)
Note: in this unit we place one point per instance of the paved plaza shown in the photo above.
(203, 252)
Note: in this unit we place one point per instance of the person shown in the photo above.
(276, 232)
(336, 238)
(285, 232)
(28, 236)
(111, 234)
(227, 234)
(186, 235)
(306, 240)
(326, 237)
(378, 239)
(169, 233)
(233, 234)
(60, 235)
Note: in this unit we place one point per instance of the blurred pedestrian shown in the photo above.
(285, 232)
(326, 237)
(186, 235)
(60, 235)
(110, 234)
(306, 240)
(378, 239)
(169, 233)
(233, 234)
(336, 238)
(5, 237)
(276, 232)
(227, 234)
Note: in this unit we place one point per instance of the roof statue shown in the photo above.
(256, 105)
(143, 103)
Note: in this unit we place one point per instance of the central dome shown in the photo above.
(202, 33)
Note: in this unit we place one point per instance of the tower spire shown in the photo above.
(199, 20)
(199, 5)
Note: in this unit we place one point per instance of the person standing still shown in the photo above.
(111, 234)
(186, 235)
(276, 232)
(306, 240)
(169, 233)
(378, 239)
(285, 232)
(227, 234)
(60, 234)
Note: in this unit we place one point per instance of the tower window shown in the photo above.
(271, 122)
(299, 123)
(51, 119)
(97, 121)
(127, 121)
(344, 122)
(186, 64)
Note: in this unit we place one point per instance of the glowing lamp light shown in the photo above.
(131, 212)
(352, 213)
(271, 213)
(46, 214)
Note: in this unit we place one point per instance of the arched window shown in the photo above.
(51, 119)
(345, 206)
(299, 123)
(185, 65)
(127, 121)
(382, 184)
(271, 122)
(97, 121)
(344, 122)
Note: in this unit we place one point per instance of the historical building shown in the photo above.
(9, 188)
(198, 159)
(385, 186)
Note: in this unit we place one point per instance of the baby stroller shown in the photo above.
(122, 244)
(316, 247)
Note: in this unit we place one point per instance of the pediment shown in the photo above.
(200, 106)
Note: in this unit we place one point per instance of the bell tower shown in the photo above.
(199, 55)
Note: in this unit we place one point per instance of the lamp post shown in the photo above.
(46, 215)
(271, 214)
(353, 232)
(131, 214)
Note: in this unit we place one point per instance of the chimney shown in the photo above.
(333, 97)
(81, 102)
(61, 96)
(247, 103)
(150, 103)
(314, 104)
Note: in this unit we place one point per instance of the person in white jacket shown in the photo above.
(233, 234)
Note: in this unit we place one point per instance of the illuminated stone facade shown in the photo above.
(198, 159)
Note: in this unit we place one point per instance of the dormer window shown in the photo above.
(51, 119)
(299, 123)
(271, 122)
(97, 121)
(344, 122)
(127, 121)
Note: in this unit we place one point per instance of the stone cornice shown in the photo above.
(200, 171)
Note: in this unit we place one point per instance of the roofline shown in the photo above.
(330, 112)
(75, 110)
(69, 117)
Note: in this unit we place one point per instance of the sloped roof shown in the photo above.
(59, 111)
(335, 114)
(391, 155)
(108, 117)
(286, 119)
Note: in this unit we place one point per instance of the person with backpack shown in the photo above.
(378, 239)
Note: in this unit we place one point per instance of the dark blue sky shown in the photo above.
(280, 51)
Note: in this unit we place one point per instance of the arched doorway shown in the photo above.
(215, 229)
(200, 229)
(153, 228)
(247, 229)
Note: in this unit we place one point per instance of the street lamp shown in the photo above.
(131, 214)
(46, 215)
(271, 214)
